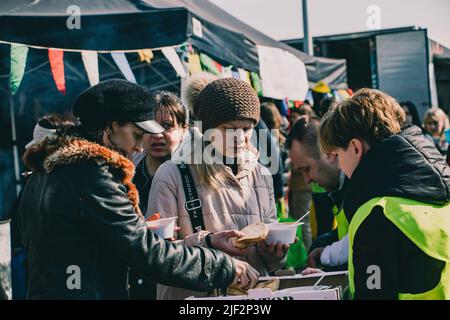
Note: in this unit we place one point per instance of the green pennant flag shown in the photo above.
(18, 61)
(209, 64)
(256, 81)
(291, 104)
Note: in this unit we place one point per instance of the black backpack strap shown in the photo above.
(193, 203)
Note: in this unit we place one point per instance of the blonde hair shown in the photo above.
(369, 114)
(439, 115)
(213, 175)
(210, 173)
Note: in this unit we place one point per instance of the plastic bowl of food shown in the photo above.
(162, 227)
(283, 232)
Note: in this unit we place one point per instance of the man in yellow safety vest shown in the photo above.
(397, 198)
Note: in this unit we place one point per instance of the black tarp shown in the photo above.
(137, 24)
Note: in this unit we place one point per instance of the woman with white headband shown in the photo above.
(48, 125)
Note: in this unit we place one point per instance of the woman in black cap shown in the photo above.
(79, 216)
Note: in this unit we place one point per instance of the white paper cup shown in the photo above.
(162, 227)
(283, 232)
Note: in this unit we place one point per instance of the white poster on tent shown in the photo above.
(283, 75)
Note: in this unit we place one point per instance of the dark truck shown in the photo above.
(403, 62)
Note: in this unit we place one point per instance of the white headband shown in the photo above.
(39, 134)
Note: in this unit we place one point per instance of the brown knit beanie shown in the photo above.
(227, 100)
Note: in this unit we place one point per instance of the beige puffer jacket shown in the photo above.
(225, 209)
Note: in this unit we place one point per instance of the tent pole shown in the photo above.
(307, 40)
(15, 148)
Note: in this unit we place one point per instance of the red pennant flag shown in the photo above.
(218, 66)
(57, 65)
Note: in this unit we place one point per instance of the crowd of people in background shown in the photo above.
(369, 144)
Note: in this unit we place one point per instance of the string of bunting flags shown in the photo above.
(195, 62)
(19, 53)
(191, 62)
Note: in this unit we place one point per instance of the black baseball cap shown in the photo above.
(116, 100)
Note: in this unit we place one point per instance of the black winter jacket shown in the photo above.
(80, 223)
(406, 165)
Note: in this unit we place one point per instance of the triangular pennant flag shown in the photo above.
(194, 63)
(121, 61)
(145, 55)
(185, 59)
(209, 64)
(174, 59)
(218, 67)
(184, 47)
(297, 104)
(244, 75)
(56, 58)
(344, 94)
(337, 96)
(291, 104)
(284, 107)
(256, 82)
(18, 62)
(90, 61)
(226, 72)
(310, 98)
(235, 74)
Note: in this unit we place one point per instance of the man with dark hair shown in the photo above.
(323, 169)
(79, 216)
(325, 105)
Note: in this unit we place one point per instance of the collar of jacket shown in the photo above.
(338, 196)
(64, 150)
(246, 164)
(404, 165)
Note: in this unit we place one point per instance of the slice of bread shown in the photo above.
(253, 233)
(231, 291)
(270, 284)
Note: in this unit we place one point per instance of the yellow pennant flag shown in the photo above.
(145, 55)
(194, 63)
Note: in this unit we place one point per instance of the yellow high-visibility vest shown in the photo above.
(342, 222)
(426, 225)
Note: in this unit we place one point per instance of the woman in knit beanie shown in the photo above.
(234, 190)
(192, 88)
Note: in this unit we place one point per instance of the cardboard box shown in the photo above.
(318, 286)
(331, 279)
(302, 293)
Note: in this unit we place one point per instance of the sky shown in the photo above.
(282, 19)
